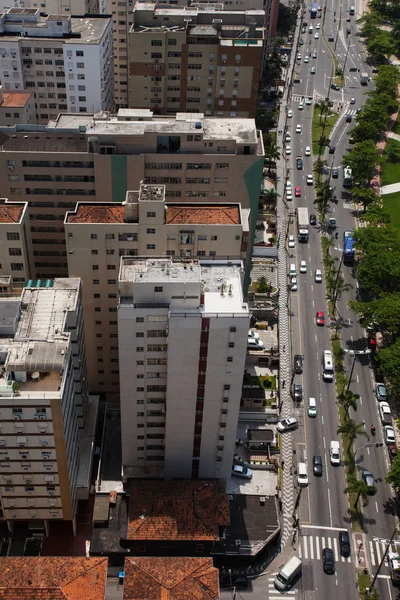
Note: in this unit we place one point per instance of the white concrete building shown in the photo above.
(47, 422)
(182, 327)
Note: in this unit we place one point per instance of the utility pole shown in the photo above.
(368, 591)
(336, 288)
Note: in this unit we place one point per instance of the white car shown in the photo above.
(314, 54)
(291, 241)
(242, 471)
(301, 106)
(307, 151)
(306, 59)
(318, 26)
(313, 70)
(288, 150)
(302, 475)
(254, 344)
(290, 114)
(288, 138)
(289, 195)
(334, 453)
(287, 425)
(303, 266)
(299, 56)
(385, 413)
(316, 36)
(310, 180)
(293, 284)
(288, 185)
(390, 438)
(308, 100)
(318, 276)
(298, 128)
(253, 334)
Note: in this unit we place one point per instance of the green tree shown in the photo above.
(362, 159)
(272, 154)
(265, 119)
(323, 107)
(348, 400)
(384, 313)
(376, 215)
(388, 360)
(359, 487)
(393, 475)
(319, 167)
(364, 195)
(352, 430)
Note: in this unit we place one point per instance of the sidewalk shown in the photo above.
(360, 545)
(391, 188)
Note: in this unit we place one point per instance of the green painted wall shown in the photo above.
(253, 179)
(119, 178)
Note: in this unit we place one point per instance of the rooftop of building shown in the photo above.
(159, 269)
(15, 99)
(165, 9)
(24, 141)
(11, 212)
(37, 578)
(163, 578)
(176, 510)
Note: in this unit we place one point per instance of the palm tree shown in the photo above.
(352, 430)
(341, 287)
(272, 154)
(323, 106)
(348, 400)
(359, 487)
(319, 167)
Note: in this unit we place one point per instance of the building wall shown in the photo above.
(122, 19)
(12, 115)
(14, 258)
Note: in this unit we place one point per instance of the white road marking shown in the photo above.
(316, 339)
(351, 337)
(360, 399)
(367, 449)
(305, 549)
(372, 554)
(311, 549)
(324, 442)
(330, 508)
(317, 547)
(378, 553)
(358, 381)
(322, 419)
(376, 506)
(335, 549)
(324, 527)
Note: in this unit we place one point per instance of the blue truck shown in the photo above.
(348, 248)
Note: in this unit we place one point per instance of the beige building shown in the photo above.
(14, 256)
(47, 422)
(183, 328)
(97, 235)
(81, 158)
(17, 107)
(199, 60)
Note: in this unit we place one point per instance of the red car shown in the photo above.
(320, 318)
(297, 192)
(348, 19)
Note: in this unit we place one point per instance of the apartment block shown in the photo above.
(98, 234)
(195, 59)
(57, 7)
(47, 422)
(66, 61)
(183, 327)
(122, 17)
(17, 107)
(14, 256)
(84, 158)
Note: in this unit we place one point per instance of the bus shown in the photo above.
(314, 10)
(348, 248)
(347, 177)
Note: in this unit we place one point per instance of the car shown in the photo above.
(291, 241)
(390, 437)
(328, 560)
(348, 19)
(380, 392)
(310, 179)
(253, 344)
(287, 425)
(332, 223)
(352, 100)
(288, 138)
(313, 70)
(314, 54)
(303, 29)
(369, 481)
(303, 266)
(312, 408)
(320, 318)
(313, 219)
(301, 42)
(299, 56)
(301, 106)
(316, 36)
(348, 31)
(289, 195)
(308, 100)
(318, 276)
(253, 334)
(288, 185)
(288, 150)
(349, 118)
(299, 163)
(334, 86)
(297, 191)
(331, 38)
(298, 364)
(302, 475)
(385, 413)
(332, 149)
(344, 544)
(298, 128)
(335, 173)
(290, 114)
(318, 26)
(293, 284)
(307, 151)
(317, 465)
(334, 453)
(306, 59)
(359, 109)
(298, 392)
(242, 471)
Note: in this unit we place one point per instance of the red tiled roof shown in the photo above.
(176, 510)
(15, 99)
(54, 578)
(93, 213)
(203, 214)
(170, 579)
(10, 213)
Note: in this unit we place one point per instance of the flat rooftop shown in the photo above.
(86, 30)
(154, 270)
(32, 142)
(15, 99)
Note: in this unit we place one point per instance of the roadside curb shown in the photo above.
(360, 545)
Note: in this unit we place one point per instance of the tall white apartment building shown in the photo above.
(46, 420)
(67, 61)
(183, 329)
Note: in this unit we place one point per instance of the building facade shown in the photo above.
(183, 328)
(97, 235)
(66, 61)
(82, 159)
(14, 255)
(17, 107)
(195, 59)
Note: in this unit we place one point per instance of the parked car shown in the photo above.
(318, 276)
(253, 344)
(344, 543)
(313, 219)
(293, 284)
(312, 408)
(390, 437)
(328, 561)
(253, 334)
(385, 413)
(298, 364)
(242, 471)
(291, 241)
(381, 393)
(317, 465)
(287, 424)
(302, 474)
(290, 114)
(298, 392)
(334, 86)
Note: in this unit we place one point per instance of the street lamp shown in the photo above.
(354, 353)
(368, 590)
(369, 445)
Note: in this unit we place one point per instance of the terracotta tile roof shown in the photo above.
(10, 213)
(53, 578)
(93, 213)
(176, 510)
(15, 99)
(203, 214)
(170, 579)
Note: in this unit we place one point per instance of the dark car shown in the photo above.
(298, 364)
(349, 118)
(298, 392)
(332, 149)
(335, 173)
(317, 465)
(334, 86)
(328, 561)
(344, 543)
(299, 163)
(331, 38)
(348, 31)
(313, 220)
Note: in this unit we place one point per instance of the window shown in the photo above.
(232, 329)
(150, 246)
(230, 359)
(158, 288)
(151, 214)
(202, 238)
(17, 266)
(139, 319)
(93, 236)
(80, 65)
(11, 236)
(156, 42)
(95, 252)
(96, 281)
(95, 267)
(15, 251)
(79, 53)
(150, 230)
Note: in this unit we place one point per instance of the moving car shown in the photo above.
(306, 59)
(299, 56)
(344, 543)
(301, 106)
(242, 471)
(290, 113)
(331, 149)
(316, 36)
(299, 163)
(328, 561)
(348, 31)
(298, 364)
(309, 100)
(381, 393)
(293, 284)
(385, 413)
(334, 453)
(291, 241)
(352, 100)
(253, 334)
(313, 219)
(289, 195)
(287, 425)
(303, 266)
(335, 173)
(369, 481)
(288, 150)
(288, 574)
(318, 276)
(298, 392)
(298, 128)
(307, 151)
(317, 465)
(310, 179)
(312, 408)
(301, 42)
(302, 475)
(297, 191)
(334, 86)
(313, 70)
(349, 118)
(314, 54)
(288, 138)
(320, 318)
(390, 437)
(318, 26)
(331, 38)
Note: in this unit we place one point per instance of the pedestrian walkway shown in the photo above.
(377, 550)
(394, 136)
(391, 188)
(311, 546)
(273, 593)
(359, 542)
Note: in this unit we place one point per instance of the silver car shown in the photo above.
(242, 471)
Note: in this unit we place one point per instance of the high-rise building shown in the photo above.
(82, 158)
(66, 61)
(195, 59)
(98, 234)
(47, 421)
(183, 328)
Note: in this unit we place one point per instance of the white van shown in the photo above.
(288, 574)
(310, 29)
(327, 366)
(302, 474)
(292, 270)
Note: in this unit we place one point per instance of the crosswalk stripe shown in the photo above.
(335, 549)
(311, 549)
(317, 547)
(372, 553)
(300, 552)
(383, 544)
(322, 542)
(305, 548)
(378, 553)
(329, 543)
